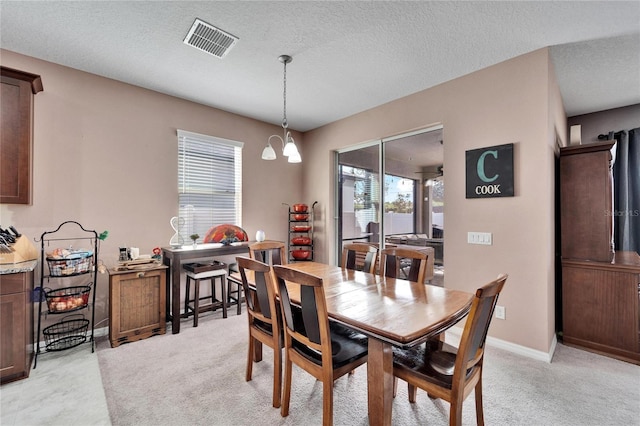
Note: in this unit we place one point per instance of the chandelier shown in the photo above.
(289, 148)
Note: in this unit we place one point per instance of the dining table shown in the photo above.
(390, 312)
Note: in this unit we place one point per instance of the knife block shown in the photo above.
(21, 251)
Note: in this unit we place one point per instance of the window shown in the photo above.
(399, 201)
(209, 183)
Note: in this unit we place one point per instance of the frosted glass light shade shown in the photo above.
(290, 147)
(295, 157)
(268, 153)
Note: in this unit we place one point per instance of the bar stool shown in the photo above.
(196, 309)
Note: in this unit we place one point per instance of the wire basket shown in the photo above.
(70, 332)
(74, 264)
(67, 299)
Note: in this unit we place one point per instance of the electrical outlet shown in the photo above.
(500, 312)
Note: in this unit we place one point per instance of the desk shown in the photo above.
(391, 312)
(173, 258)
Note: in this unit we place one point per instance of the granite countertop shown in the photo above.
(14, 268)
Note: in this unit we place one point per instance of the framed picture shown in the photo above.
(489, 172)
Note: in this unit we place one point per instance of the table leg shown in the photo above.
(175, 296)
(380, 382)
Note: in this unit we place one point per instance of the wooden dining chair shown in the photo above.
(359, 256)
(269, 252)
(323, 348)
(410, 264)
(264, 319)
(450, 373)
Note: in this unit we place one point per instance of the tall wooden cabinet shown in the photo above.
(600, 286)
(16, 146)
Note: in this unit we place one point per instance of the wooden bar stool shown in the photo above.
(234, 294)
(196, 309)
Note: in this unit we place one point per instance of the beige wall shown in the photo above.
(105, 155)
(516, 101)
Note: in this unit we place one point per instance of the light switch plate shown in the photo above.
(483, 238)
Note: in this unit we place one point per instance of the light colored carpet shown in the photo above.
(197, 378)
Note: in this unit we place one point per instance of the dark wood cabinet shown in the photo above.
(16, 326)
(600, 309)
(137, 301)
(600, 286)
(16, 144)
(586, 194)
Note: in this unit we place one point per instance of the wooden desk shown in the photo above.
(391, 312)
(173, 258)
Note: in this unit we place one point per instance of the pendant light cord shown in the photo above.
(285, 125)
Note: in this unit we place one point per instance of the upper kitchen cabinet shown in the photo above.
(16, 146)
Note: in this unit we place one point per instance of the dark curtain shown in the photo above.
(626, 191)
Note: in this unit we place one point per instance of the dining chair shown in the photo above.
(323, 348)
(264, 319)
(397, 262)
(450, 373)
(269, 252)
(359, 256)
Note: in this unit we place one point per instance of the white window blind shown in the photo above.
(209, 183)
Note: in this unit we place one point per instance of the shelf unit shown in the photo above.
(307, 233)
(78, 274)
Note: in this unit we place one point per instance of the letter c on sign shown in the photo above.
(480, 166)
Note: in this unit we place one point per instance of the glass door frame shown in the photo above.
(381, 178)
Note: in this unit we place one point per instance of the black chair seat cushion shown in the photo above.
(268, 328)
(433, 362)
(347, 345)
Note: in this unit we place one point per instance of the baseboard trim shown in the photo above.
(456, 332)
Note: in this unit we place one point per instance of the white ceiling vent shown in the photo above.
(210, 39)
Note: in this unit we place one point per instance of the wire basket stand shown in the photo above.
(71, 330)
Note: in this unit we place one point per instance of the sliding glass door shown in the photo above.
(391, 190)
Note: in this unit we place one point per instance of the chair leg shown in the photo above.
(196, 304)
(286, 392)
(413, 392)
(249, 371)
(327, 401)
(395, 386)
(277, 377)
(455, 415)
(479, 411)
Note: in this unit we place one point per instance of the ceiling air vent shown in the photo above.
(210, 39)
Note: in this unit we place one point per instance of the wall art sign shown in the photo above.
(490, 172)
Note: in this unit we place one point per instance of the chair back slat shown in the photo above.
(309, 314)
(359, 257)
(262, 302)
(269, 252)
(403, 263)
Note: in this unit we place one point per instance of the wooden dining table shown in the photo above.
(391, 312)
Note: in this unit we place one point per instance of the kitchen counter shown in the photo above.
(14, 268)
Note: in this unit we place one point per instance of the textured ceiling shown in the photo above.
(347, 56)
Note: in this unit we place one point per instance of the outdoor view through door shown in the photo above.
(406, 206)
